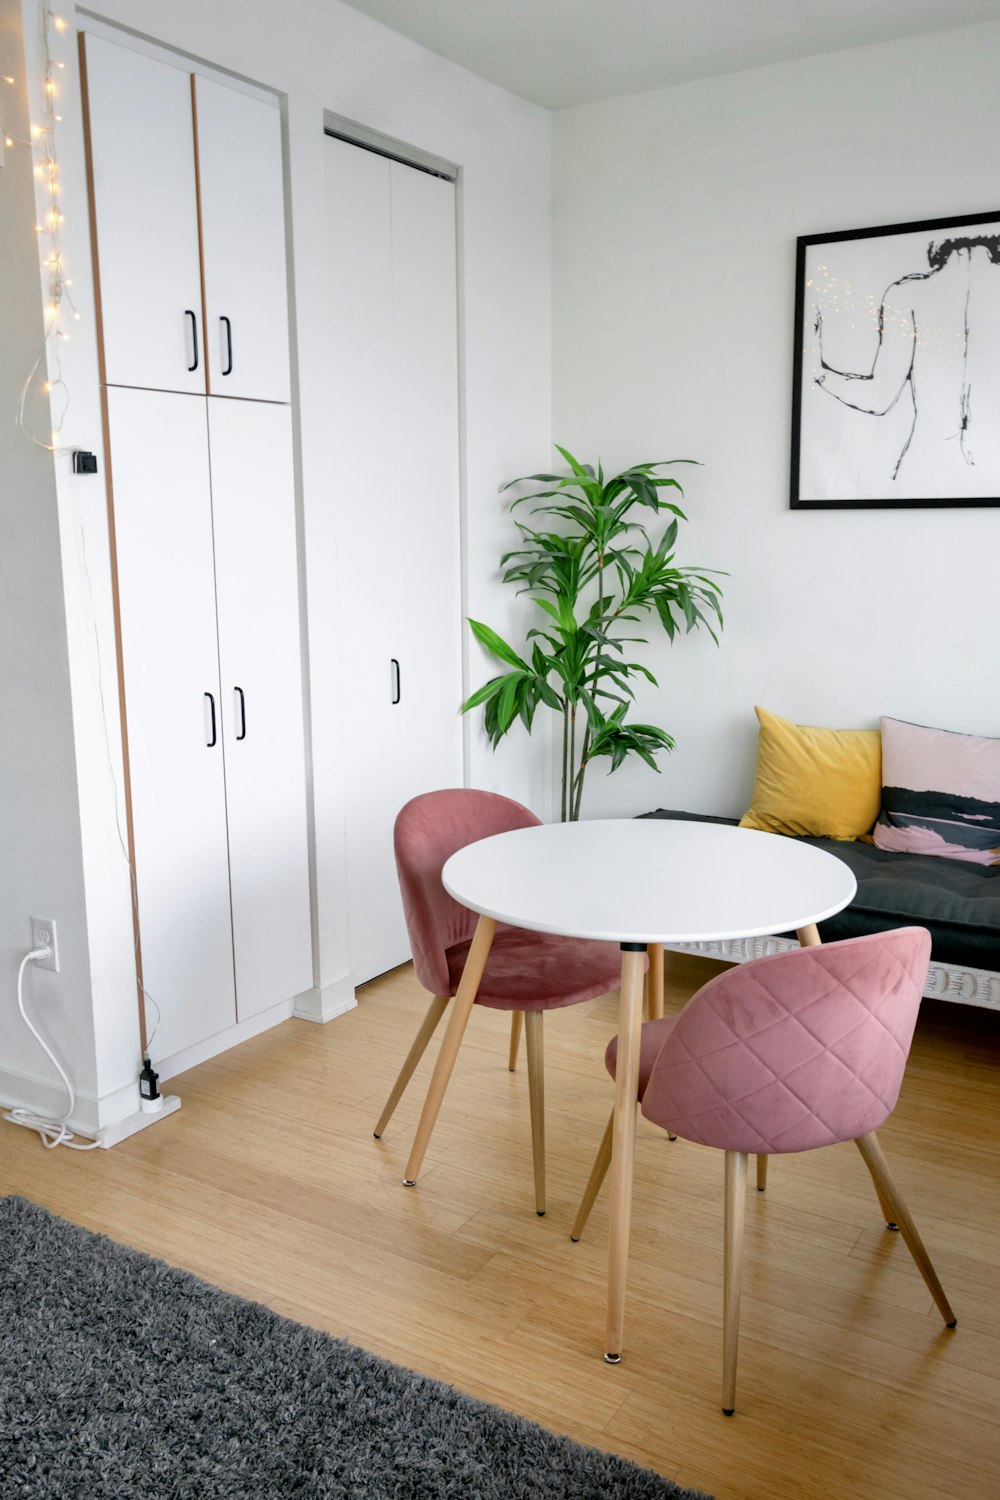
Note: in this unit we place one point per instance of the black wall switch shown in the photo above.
(84, 463)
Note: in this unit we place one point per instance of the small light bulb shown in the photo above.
(36, 131)
(7, 78)
(46, 387)
(7, 141)
(59, 23)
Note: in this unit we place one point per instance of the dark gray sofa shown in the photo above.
(958, 903)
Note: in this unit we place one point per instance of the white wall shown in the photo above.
(675, 218)
(41, 864)
(61, 822)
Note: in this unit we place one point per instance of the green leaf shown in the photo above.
(489, 638)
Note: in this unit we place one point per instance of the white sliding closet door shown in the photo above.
(253, 503)
(425, 307)
(394, 464)
(166, 586)
(146, 212)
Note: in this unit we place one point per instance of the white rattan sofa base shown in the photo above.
(944, 981)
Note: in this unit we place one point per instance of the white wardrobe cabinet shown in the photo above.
(207, 584)
(188, 201)
(393, 353)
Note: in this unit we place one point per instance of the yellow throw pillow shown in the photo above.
(821, 782)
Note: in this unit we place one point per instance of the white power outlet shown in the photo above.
(43, 935)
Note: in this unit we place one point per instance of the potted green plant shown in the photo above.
(592, 578)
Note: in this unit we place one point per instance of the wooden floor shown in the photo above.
(268, 1182)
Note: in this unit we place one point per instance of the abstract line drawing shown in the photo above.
(896, 394)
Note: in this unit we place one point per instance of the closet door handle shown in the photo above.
(397, 691)
(243, 712)
(194, 338)
(210, 744)
(229, 346)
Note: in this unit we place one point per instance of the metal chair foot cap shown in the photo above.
(727, 1411)
(408, 1183)
(612, 1359)
(890, 1225)
(575, 1238)
(952, 1324)
(540, 1212)
(671, 1137)
(377, 1134)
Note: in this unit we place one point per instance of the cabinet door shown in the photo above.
(145, 209)
(163, 531)
(243, 233)
(363, 491)
(260, 657)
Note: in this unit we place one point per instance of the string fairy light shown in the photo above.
(58, 298)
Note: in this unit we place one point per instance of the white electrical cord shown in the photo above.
(52, 1132)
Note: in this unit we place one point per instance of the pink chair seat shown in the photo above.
(654, 1034)
(537, 971)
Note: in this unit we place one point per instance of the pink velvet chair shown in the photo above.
(787, 1053)
(527, 973)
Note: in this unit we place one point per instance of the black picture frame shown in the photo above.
(900, 325)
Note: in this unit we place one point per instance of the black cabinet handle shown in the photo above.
(194, 338)
(243, 709)
(229, 346)
(214, 739)
(398, 689)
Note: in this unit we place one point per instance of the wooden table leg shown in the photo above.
(461, 1009)
(809, 936)
(623, 1149)
(654, 983)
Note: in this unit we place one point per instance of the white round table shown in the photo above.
(639, 882)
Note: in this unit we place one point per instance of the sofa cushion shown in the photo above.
(811, 781)
(941, 793)
(958, 902)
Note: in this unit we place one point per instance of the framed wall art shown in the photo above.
(896, 387)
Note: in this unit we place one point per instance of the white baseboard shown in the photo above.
(322, 1004)
(110, 1135)
(169, 1067)
(108, 1120)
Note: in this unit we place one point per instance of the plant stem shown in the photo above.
(565, 761)
(579, 779)
(572, 760)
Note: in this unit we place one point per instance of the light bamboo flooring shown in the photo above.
(269, 1183)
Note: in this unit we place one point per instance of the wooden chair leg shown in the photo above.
(475, 963)
(889, 1193)
(654, 983)
(427, 1028)
(736, 1197)
(516, 1024)
(533, 1037)
(598, 1172)
(761, 1172)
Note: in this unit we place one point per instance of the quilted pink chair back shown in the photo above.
(428, 831)
(796, 1050)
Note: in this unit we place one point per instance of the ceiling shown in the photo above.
(563, 52)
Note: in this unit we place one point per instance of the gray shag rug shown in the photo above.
(123, 1376)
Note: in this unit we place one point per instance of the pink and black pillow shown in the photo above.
(940, 793)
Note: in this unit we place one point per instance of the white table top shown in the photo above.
(649, 880)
